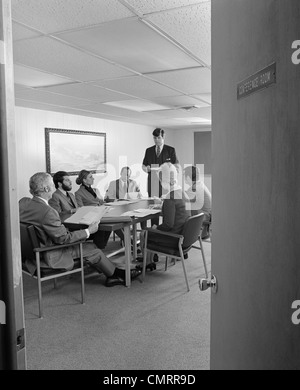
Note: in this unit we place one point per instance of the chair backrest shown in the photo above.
(26, 243)
(191, 230)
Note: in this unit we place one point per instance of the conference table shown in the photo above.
(124, 214)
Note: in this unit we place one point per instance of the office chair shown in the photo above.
(31, 251)
(185, 241)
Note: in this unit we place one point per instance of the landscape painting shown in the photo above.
(74, 150)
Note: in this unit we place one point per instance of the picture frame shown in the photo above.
(74, 150)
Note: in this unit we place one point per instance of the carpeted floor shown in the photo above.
(155, 325)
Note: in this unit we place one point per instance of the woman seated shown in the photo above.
(174, 211)
(88, 196)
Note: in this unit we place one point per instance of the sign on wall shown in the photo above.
(258, 81)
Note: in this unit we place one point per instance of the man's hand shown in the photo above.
(93, 228)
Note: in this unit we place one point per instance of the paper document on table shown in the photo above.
(144, 212)
(88, 215)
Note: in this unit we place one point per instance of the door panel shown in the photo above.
(256, 187)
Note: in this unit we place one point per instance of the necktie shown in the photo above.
(157, 151)
(68, 195)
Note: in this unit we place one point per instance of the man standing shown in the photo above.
(155, 156)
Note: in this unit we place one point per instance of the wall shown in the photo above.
(123, 139)
(184, 145)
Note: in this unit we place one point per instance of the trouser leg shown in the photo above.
(100, 238)
(95, 258)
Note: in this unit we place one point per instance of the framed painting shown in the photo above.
(74, 150)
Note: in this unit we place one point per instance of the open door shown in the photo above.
(255, 184)
(12, 330)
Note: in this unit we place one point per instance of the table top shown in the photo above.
(114, 219)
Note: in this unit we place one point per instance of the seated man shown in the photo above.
(51, 231)
(199, 196)
(120, 188)
(65, 203)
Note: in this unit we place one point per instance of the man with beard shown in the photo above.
(64, 202)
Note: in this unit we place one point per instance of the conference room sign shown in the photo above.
(258, 81)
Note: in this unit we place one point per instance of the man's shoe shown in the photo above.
(114, 281)
(134, 273)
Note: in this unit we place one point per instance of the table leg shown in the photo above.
(134, 241)
(127, 254)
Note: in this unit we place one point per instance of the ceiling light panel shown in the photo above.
(178, 101)
(51, 16)
(189, 81)
(88, 91)
(138, 105)
(121, 112)
(49, 98)
(138, 86)
(190, 27)
(132, 44)
(55, 57)
(35, 78)
(149, 6)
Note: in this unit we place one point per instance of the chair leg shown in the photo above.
(38, 264)
(203, 255)
(184, 271)
(82, 275)
(166, 263)
(145, 255)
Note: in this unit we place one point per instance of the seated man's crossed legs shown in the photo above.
(97, 259)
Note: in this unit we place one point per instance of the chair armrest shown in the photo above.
(53, 247)
(163, 233)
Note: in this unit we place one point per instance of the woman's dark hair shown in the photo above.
(157, 132)
(82, 175)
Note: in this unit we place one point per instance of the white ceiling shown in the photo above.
(138, 61)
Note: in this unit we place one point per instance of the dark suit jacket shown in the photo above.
(168, 154)
(50, 231)
(85, 198)
(174, 215)
(62, 204)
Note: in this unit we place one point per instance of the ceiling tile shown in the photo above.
(138, 86)
(191, 27)
(204, 96)
(149, 6)
(49, 98)
(35, 78)
(51, 16)
(189, 81)
(131, 43)
(88, 91)
(21, 32)
(55, 57)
